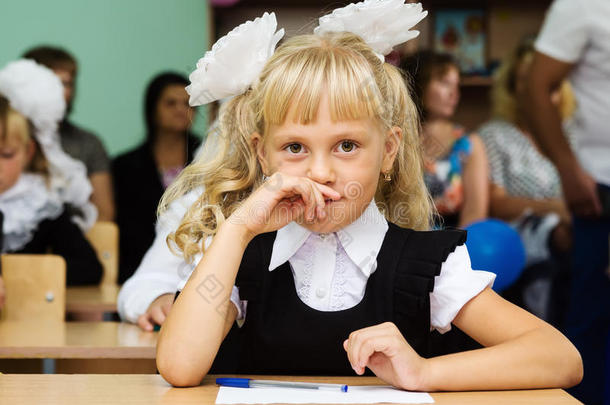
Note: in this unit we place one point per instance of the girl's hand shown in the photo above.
(156, 313)
(384, 350)
(280, 200)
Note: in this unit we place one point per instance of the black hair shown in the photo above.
(153, 95)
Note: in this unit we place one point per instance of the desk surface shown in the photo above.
(75, 340)
(22, 389)
(96, 299)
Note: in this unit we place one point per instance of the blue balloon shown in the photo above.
(495, 246)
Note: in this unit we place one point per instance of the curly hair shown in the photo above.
(300, 71)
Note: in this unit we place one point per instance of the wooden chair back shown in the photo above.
(104, 237)
(35, 287)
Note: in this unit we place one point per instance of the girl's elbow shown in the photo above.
(575, 372)
(179, 374)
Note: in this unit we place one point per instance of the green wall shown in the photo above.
(120, 45)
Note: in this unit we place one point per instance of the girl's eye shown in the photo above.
(294, 148)
(347, 146)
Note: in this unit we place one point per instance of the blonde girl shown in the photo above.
(314, 216)
(34, 218)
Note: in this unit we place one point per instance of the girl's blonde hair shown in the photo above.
(14, 126)
(359, 85)
(503, 96)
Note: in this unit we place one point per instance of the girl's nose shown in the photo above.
(320, 170)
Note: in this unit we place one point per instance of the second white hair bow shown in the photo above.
(234, 61)
(382, 24)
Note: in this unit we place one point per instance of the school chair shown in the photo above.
(35, 287)
(104, 237)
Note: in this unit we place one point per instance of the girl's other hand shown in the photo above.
(384, 350)
(280, 200)
(156, 313)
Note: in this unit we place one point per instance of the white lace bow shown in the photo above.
(234, 61)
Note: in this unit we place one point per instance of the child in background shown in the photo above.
(32, 191)
(313, 217)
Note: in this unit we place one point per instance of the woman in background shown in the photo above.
(454, 159)
(525, 186)
(142, 174)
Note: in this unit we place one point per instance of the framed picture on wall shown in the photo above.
(461, 33)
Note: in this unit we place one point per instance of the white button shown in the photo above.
(323, 236)
(320, 292)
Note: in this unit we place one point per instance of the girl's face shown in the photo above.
(14, 157)
(347, 156)
(443, 94)
(173, 111)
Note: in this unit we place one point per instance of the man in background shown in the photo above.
(77, 142)
(575, 42)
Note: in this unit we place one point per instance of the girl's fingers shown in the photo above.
(144, 323)
(359, 343)
(157, 315)
(383, 344)
(327, 191)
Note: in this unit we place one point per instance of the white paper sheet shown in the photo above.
(354, 395)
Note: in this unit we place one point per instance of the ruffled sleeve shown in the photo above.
(456, 284)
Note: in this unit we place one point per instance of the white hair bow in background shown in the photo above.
(36, 92)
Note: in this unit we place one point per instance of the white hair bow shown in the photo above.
(37, 93)
(234, 61)
(237, 59)
(382, 24)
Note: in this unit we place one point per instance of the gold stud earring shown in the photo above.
(387, 176)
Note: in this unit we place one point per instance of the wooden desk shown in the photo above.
(75, 340)
(92, 300)
(25, 389)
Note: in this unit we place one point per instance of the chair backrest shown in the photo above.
(35, 287)
(104, 237)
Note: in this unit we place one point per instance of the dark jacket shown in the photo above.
(137, 191)
(63, 237)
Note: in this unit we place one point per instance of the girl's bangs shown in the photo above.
(306, 76)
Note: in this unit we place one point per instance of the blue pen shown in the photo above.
(249, 383)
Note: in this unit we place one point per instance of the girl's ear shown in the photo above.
(259, 147)
(392, 143)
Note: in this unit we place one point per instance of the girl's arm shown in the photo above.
(508, 207)
(476, 184)
(196, 326)
(522, 352)
(146, 297)
(203, 314)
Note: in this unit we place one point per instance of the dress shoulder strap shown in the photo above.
(254, 264)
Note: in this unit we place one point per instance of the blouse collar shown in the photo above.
(361, 240)
(24, 206)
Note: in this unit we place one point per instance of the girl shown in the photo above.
(35, 219)
(325, 260)
(455, 160)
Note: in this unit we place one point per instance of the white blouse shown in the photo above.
(351, 252)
